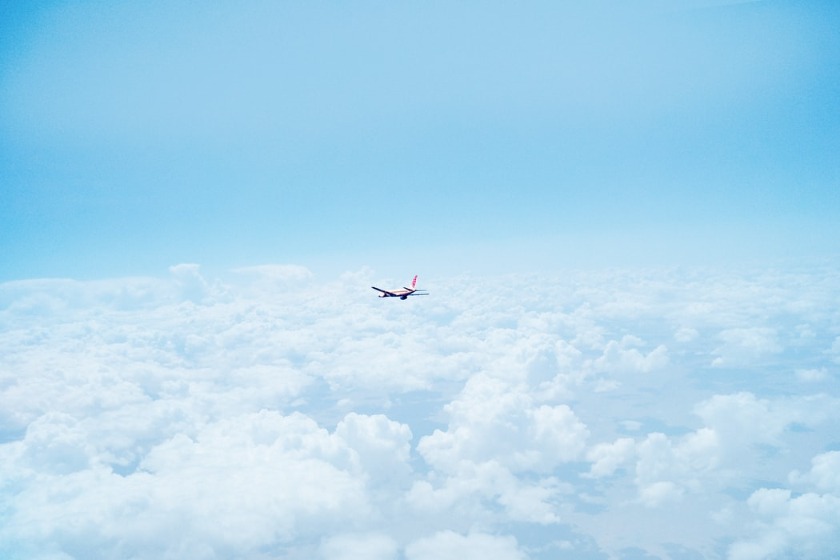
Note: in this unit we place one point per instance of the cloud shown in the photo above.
(368, 546)
(742, 419)
(273, 414)
(607, 457)
(824, 474)
(834, 352)
(236, 485)
(746, 345)
(623, 356)
(383, 445)
(481, 490)
(447, 545)
(812, 375)
(493, 418)
(804, 526)
(685, 334)
(665, 470)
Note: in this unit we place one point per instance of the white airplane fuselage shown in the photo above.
(401, 293)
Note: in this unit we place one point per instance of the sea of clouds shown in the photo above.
(679, 413)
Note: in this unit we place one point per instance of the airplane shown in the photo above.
(404, 292)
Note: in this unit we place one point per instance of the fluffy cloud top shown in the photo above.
(270, 415)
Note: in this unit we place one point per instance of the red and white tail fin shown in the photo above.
(414, 282)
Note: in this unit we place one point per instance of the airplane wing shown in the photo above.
(386, 292)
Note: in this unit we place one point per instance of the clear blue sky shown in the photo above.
(136, 136)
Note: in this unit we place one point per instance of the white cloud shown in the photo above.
(495, 419)
(476, 491)
(623, 356)
(824, 475)
(383, 445)
(607, 457)
(238, 485)
(275, 415)
(812, 375)
(359, 547)
(742, 419)
(805, 526)
(657, 493)
(746, 345)
(666, 469)
(447, 545)
(686, 334)
(496, 432)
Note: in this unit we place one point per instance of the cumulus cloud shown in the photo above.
(383, 445)
(492, 418)
(737, 428)
(665, 469)
(743, 419)
(236, 485)
(272, 414)
(624, 356)
(812, 375)
(366, 546)
(607, 457)
(686, 334)
(824, 474)
(447, 545)
(746, 345)
(805, 526)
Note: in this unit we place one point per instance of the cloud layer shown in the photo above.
(677, 413)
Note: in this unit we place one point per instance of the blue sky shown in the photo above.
(135, 137)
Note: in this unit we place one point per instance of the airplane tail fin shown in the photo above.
(414, 282)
